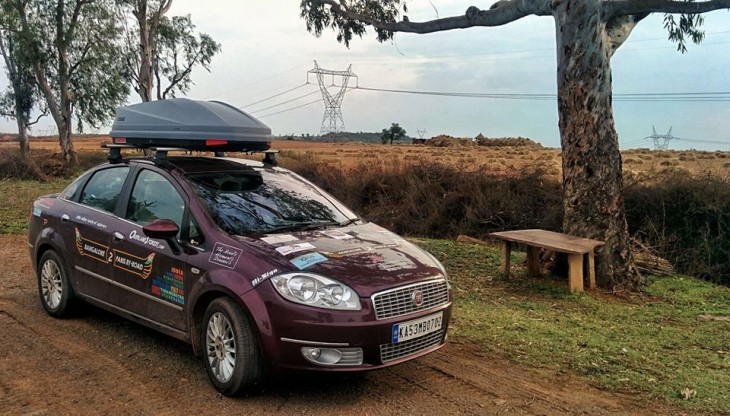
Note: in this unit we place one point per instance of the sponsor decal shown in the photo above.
(390, 266)
(336, 234)
(294, 248)
(307, 260)
(140, 266)
(382, 246)
(279, 239)
(37, 211)
(89, 248)
(91, 222)
(225, 255)
(45, 203)
(351, 251)
(170, 286)
(146, 240)
(255, 282)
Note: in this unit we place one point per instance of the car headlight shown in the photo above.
(315, 290)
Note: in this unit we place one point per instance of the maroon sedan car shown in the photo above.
(256, 267)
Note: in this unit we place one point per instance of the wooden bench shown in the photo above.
(575, 247)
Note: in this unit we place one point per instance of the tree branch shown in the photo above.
(632, 7)
(501, 12)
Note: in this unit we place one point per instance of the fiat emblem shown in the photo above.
(417, 298)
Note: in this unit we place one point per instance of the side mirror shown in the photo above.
(164, 229)
(161, 228)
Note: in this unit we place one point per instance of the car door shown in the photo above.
(85, 228)
(149, 275)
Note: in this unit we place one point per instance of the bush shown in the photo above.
(42, 165)
(439, 200)
(687, 219)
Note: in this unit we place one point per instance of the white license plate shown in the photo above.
(416, 328)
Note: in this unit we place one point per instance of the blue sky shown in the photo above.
(266, 50)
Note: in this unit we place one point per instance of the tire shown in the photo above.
(57, 295)
(231, 354)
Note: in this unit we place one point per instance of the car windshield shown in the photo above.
(268, 201)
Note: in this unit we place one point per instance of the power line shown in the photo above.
(292, 108)
(273, 96)
(284, 102)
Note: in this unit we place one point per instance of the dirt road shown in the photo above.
(98, 363)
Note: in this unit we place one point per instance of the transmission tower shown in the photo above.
(421, 133)
(332, 121)
(661, 141)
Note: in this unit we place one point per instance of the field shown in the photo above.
(469, 157)
(526, 346)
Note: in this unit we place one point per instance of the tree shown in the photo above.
(166, 49)
(21, 97)
(142, 54)
(74, 51)
(588, 34)
(395, 132)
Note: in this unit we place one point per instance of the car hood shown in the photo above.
(366, 257)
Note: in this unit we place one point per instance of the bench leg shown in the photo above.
(575, 270)
(533, 261)
(591, 270)
(506, 251)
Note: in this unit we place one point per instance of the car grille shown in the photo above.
(398, 302)
(390, 352)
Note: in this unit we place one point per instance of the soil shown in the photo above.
(96, 362)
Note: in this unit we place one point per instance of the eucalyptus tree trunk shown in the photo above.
(22, 122)
(592, 185)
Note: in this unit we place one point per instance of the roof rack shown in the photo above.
(160, 156)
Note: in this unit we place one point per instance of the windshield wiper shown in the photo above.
(302, 226)
(348, 222)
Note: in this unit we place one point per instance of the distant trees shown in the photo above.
(394, 133)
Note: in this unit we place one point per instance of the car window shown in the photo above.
(103, 189)
(70, 190)
(154, 197)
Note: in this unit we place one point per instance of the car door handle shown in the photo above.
(118, 236)
(65, 217)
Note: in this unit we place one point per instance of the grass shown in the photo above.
(17, 199)
(652, 343)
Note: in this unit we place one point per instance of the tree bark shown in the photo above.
(592, 168)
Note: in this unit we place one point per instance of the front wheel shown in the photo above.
(231, 354)
(54, 287)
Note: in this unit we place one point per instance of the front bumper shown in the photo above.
(285, 328)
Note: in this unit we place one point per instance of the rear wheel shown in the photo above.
(231, 354)
(54, 287)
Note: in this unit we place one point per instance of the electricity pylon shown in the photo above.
(332, 121)
(661, 141)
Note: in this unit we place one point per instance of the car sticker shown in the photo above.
(140, 266)
(89, 248)
(294, 248)
(225, 255)
(393, 265)
(146, 240)
(278, 239)
(37, 211)
(91, 222)
(306, 260)
(170, 286)
(382, 246)
(336, 234)
(255, 282)
(351, 251)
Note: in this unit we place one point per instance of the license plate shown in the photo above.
(418, 327)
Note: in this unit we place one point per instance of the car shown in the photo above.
(260, 270)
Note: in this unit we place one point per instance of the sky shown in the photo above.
(267, 51)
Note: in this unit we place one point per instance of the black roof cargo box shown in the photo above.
(189, 124)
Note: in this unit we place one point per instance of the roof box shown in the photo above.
(189, 124)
